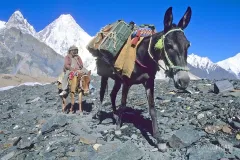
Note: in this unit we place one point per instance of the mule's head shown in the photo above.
(84, 83)
(175, 47)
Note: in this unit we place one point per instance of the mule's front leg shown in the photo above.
(80, 101)
(63, 104)
(125, 90)
(149, 86)
(72, 102)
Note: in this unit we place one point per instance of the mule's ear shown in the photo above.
(168, 18)
(183, 23)
(89, 72)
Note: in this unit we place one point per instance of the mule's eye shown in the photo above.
(188, 45)
(169, 46)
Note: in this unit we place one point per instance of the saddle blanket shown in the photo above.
(126, 59)
(144, 32)
(72, 73)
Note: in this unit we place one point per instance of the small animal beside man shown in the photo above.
(74, 79)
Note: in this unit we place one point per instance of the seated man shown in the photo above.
(72, 62)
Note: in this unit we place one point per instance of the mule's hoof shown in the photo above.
(115, 117)
(118, 132)
(162, 147)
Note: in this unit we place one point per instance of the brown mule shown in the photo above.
(78, 83)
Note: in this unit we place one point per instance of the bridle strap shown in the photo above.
(171, 65)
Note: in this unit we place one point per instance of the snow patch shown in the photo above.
(26, 84)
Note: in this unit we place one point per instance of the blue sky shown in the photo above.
(214, 29)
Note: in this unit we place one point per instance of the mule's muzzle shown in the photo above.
(181, 80)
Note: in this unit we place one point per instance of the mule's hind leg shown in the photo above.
(113, 95)
(149, 87)
(125, 90)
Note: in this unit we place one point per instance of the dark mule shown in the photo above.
(173, 52)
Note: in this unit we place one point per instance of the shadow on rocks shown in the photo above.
(133, 116)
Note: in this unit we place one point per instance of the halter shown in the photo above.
(160, 45)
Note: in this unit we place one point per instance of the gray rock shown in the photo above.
(8, 156)
(185, 137)
(163, 120)
(53, 123)
(126, 151)
(223, 86)
(88, 138)
(206, 152)
(200, 116)
(236, 124)
(225, 144)
(25, 143)
(236, 152)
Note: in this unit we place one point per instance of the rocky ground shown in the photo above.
(198, 126)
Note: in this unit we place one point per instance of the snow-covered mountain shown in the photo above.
(17, 20)
(2, 24)
(231, 64)
(201, 62)
(203, 67)
(64, 32)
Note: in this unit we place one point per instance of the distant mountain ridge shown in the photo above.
(22, 53)
(64, 32)
(203, 67)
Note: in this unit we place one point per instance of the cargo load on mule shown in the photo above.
(110, 39)
(116, 45)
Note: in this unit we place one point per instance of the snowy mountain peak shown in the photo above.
(231, 64)
(18, 15)
(17, 20)
(66, 17)
(65, 32)
(200, 62)
(62, 33)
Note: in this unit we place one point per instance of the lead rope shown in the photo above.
(149, 52)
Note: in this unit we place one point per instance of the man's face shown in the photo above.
(74, 52)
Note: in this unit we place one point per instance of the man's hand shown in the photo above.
(75, 69)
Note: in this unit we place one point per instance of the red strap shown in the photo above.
(138, 62)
